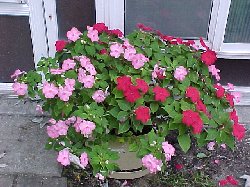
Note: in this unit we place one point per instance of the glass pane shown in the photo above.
(238, 23)
(16, 47)
(178, 18)
(74, 13)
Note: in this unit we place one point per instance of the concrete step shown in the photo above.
(23, 142)
(31, 181)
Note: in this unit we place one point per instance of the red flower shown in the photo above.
(116, 32)
(131, 94)
(60, 44)
(191, 118)
(234, 117)
(201, 107)
(220, 91)
(232, 180)
(230, 99)
(161, 94)
(123, 83)
(103, 52)
(223, 182)
(167, 38)
(142, 114)
(100, 27)
(208, 57)
(142, 85)
(193, 93)
(178, 166)
(238, 131)
(143, 27)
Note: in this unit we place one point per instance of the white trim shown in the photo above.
(51, 25)
(14, 9)
(13, 1)
(213, 20)
(38, 29)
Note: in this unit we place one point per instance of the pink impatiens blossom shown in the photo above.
(91, 69)
(151, 163)
(70, 120)
(92, 34)
(84, 61)
(88, 81)
(168, 149)
(16, 74)
(210, 146)
(230, 86)
(39, 109)
(216, 161)
(56, 71)
(116, 50)
(70, 84)
(20, 88)
(52, 131)
(81, 75)
(180, 73)
(68, 64)
(77, 124)
(49, 90)
(84, 159)
(74, 34)
(215, 72)
(236, 96)
(99, 96)
(158, 72)
(100, 176)
(64, 93)
(224, 146)
(52, 121)
(63, 157)
(61, 128)
(139, 60)
(86, 128)
(129, 53)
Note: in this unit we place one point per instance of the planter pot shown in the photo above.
(130, 166)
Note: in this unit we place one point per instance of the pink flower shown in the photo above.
(52, 131)
(99, 96)
(70, 84)
(236, 96)
(77, 124)
(56, 71)
(39, 109)
(70, 120)
(64, 93)
(17, 73)
(68, 64)
(84, 159)
(215, 72)
(88, 81)
(20, 88)
(129, 53)
(223, 146)
(210, 146)
(91, 69)
(180, 73)
(86, 128)
(84, 61)
(81, 75)
(92, 34)
(74, 34)
(230, 86)
(61, 128)
(116, 50)
(52, 121)
(216, 161)
(99, 176)
(139, 60)
(158, 72)
(168, 149)
(63, 157)
(151, 163)
(49, 90)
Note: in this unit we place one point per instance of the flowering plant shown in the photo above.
(101, 85)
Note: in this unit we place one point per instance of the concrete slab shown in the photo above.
(6, 180)
(244, 113)
(36, 181)
(23, 142)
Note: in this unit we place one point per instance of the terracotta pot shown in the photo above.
(130, 166)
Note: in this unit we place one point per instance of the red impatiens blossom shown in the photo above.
(100, 27)
(208, 57)
(103, 52)
(193, 93)
(234, 116)
(223, 182)
(178, 166)
(142, 113)
(123, 83)
(161, 94)
(142, 85)
(220, 91)
(201, 107)
(116, 32)
(131, 94)
(192, 119)
(143, 27)
(238, 131)
(232, 180)
(60, 45)
(230, 99)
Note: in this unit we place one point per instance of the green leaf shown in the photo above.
(201, 155)
(114, 111)
(184, 142)
(185, 105)
(122, 115)
(124, 105)
(154, 107)
(212, 134)
(123, 127)
(133, 147)
(90, 50)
